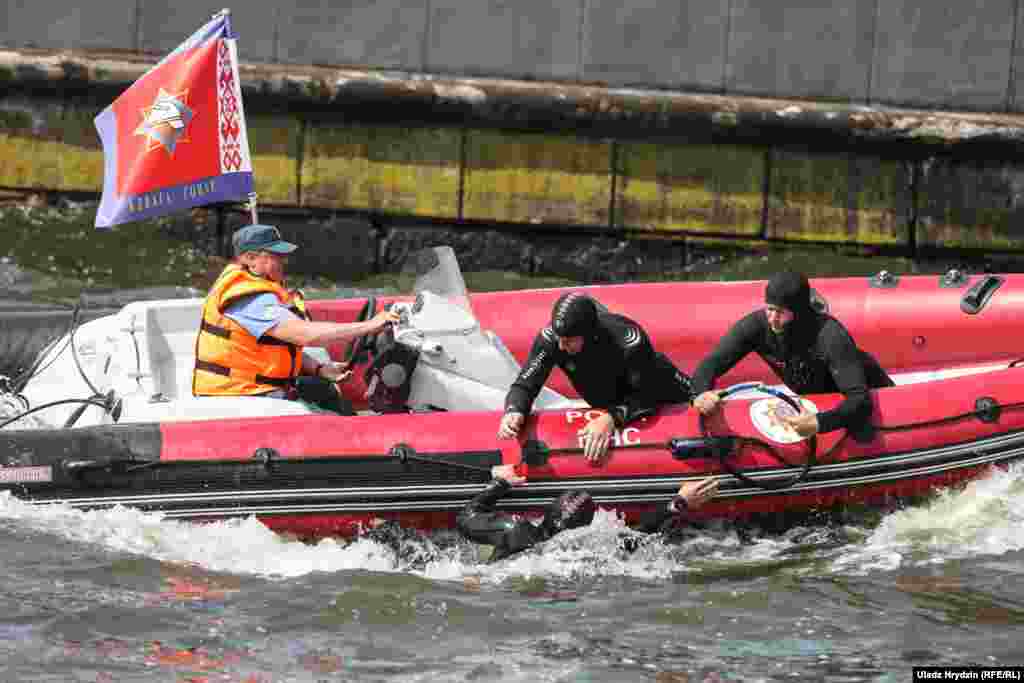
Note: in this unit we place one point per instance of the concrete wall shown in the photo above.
(564, 185)
(943, 53)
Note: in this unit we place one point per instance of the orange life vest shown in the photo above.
(229, 360)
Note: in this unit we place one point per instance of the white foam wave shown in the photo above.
(983, 518)
(607, 547)
(239, 545)
(245, 546)
(594, 550)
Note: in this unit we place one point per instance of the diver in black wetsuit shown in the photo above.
(479, 522)
(609, 360)
(811, 352)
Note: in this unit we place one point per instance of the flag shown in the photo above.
(176, 138)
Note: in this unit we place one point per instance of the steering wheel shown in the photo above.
(358, 347)
(810, 444)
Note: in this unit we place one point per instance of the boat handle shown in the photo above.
(763, 388)
(978, 296)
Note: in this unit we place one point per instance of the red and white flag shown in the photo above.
(176, 138)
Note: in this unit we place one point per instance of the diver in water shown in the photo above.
(481, 523)
(810, 351)
(611, 363)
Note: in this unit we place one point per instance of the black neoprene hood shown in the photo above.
(572, 509)
(574, 315)
(791, 291)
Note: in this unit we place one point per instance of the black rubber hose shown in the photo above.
(51, 404)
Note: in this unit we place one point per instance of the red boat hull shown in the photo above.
(329, 475)
(929, 435)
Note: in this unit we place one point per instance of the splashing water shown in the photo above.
(245, 546)
(983, 518)
(239, 545)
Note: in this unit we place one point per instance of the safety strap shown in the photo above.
(218, 369)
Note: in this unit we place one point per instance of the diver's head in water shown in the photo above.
(572, 509)
(573, 319)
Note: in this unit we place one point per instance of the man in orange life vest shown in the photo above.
(253, 328)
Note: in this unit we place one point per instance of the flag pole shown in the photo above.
(253, 212)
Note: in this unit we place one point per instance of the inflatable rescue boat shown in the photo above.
(105, 416)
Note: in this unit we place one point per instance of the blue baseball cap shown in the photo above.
(260, 238)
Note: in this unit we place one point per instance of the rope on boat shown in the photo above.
(78, 364)
(87, 401)
(109, 403)
(405, 453)
(724, 447)
(710, 446)
(21, 381)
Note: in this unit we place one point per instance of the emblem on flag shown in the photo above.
(176, 138)
(166, 122)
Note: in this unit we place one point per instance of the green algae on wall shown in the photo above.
(274, 144)
(405, 170)
(881, 202)
(535, 178)
(79, 160)
(837, 198)
(696, 188)
(971, 204)
(54, 148)
(538, 178)
(38, 163)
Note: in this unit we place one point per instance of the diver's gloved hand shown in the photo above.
(510, 425)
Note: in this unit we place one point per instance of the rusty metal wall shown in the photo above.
(698, 188)
(537, 179)
(839, 198)
(49, 146)
(399, 170)
(944, 53)
(987, 196)
(570, 184)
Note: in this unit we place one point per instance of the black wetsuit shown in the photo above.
(814, 355)
(617, 370)
(481, 523)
